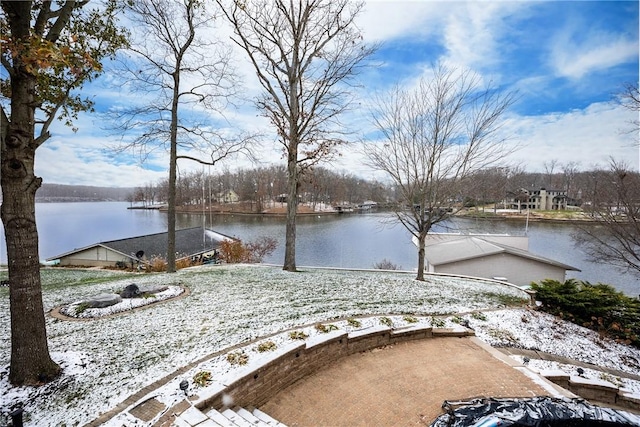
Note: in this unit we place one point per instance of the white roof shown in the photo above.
(470, 247)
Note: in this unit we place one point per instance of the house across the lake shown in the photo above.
(192, 243)
(492, 256)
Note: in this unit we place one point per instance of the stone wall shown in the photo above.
(593, 389)
(256, 386)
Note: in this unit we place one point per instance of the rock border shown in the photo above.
(55, 312)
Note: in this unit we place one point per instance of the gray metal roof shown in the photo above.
(189, 242)
(469, 247)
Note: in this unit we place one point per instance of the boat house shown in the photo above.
(196, 242)
(491, 256)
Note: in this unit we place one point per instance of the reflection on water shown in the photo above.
(349, 241)
(353, 241)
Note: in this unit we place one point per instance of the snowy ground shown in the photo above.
(107, 360)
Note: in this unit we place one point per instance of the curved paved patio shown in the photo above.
(400, 385)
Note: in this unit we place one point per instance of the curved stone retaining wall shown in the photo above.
(293, 362)
(593, 389)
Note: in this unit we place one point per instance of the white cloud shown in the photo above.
(383, 20)
(474, 35)
(63, 165)
(589, 137)
(470, 33)
(597, 51)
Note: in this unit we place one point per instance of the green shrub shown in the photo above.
(237, 358)
(298, 335)
(386, 321)
(479, 316)
(437, 322)
(410, 319)
(355, 323)
(325, 328)
(457, 319)
(599, 307)
(202, 378)
(266, 346)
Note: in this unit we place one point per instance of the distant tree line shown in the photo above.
(260, 185)
(75, 193)
(320, 185)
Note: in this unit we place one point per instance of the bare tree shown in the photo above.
(49, 50)
(569, 171)
(614, 204)
(549, 167)
(434, 137)
(629, 98)
(303, 53)
(487, 186)
(186, 73)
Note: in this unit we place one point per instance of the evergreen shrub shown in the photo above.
(599, 307)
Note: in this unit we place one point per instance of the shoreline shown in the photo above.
(490, 217)
(532, 218)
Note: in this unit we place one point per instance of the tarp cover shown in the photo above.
(534, 412)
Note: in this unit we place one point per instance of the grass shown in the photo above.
(57, 278)
(107, 360)
(507, 300)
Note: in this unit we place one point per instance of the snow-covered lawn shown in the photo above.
(108, 359)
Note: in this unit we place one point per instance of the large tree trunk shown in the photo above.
(171, 214)
(292, 167)
(173, 166)
(30, 359)
(421, 240)
(292, 210)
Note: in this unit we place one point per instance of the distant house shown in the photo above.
(190, 243)
(490, 256)
(541, 199)
(228, 196)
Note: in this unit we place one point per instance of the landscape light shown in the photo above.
(580, 371)
(184, 385)
(16, 417)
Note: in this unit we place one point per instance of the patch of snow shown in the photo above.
(546, 366)
(535, 330)
(76, 310)
(553, 392)
(108, 359)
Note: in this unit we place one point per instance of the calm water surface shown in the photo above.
(349, 241)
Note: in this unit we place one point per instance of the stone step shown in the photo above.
(249, 417)
(267, 418)
(236, 419)
(220, 419)
(193, 417)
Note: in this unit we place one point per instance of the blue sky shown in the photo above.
(564, 59)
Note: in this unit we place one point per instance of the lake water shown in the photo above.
(348, 241)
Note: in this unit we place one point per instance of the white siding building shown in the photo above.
(490, 256)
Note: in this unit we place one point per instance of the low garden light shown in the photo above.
(184, 385)
(16, 417)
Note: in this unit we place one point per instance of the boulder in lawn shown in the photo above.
(102, 301)
(130, 291)
(152, 290)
